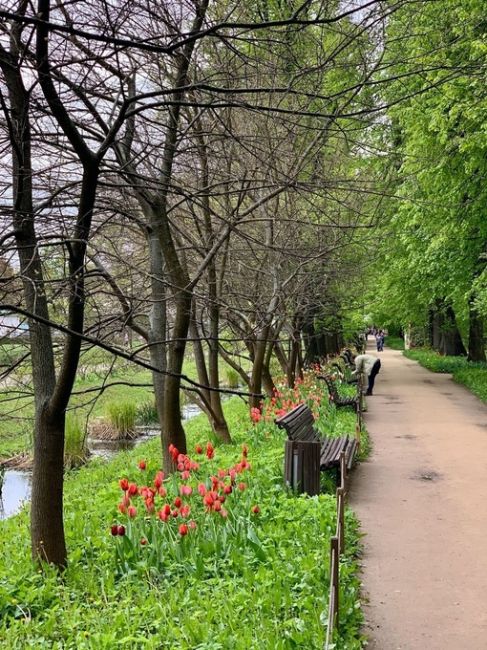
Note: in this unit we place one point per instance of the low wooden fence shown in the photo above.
(337, 542)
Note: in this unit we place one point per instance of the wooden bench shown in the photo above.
(335, 397)
(342, 373)
(347, 358)
(299, 426)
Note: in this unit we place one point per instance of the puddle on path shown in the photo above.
(426, 475)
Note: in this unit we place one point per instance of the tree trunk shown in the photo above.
(437, 325)
(267, 380)
(220, 426)
(451, 341)
(47, 529)
(476, 346)
(173, 430)
(257, 369)
(158, 325)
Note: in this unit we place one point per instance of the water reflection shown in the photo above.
(15, 492)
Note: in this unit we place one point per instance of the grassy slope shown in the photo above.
(278, 603)
(471, 375)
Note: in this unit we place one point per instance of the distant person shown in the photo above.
(379, 340)
(370, 366)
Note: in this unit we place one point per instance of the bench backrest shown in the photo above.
(332, 389)
(298, 424)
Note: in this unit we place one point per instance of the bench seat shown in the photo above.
(299, 426)
(334, 396)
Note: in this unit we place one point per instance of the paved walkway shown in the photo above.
(422, 501)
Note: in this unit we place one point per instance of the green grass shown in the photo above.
(75, 450)
(273, 596)
(394, 343)
(469, 374)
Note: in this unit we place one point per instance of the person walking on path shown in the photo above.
(370, 366)
(379, 339)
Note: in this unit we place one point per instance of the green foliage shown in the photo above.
(121, 416)
(233, 378)
(75, 450)
(273, 598)
(394, 342)
(436, 362)
(147, 413)
(472, 375)
(436, 134)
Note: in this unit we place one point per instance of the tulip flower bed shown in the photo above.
(219, 555)
(187, 521)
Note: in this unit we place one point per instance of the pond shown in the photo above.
(17, 484)
(15, 492)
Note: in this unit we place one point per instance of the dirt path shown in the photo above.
(422, 501)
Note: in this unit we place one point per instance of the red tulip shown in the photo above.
(184, 511)
(143, 541)
(210, 451)
(132, 511)
(174, 452)
(177, 502)
(121, 530)
(202, 489)
(186, 490)
(166, 509)
(114, 530)
(227, 489)
(158, 481)
(142, 464)
(242, 486)
(124, 484)
(255, 415)
(183, 530)
(198, 449)
(132, 489)
(255, 510)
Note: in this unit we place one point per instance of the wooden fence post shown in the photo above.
(335, 554)
(341, 519)
(343, 471)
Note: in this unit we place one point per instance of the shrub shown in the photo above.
(75, 449)
(122, 417)
(147, 413)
